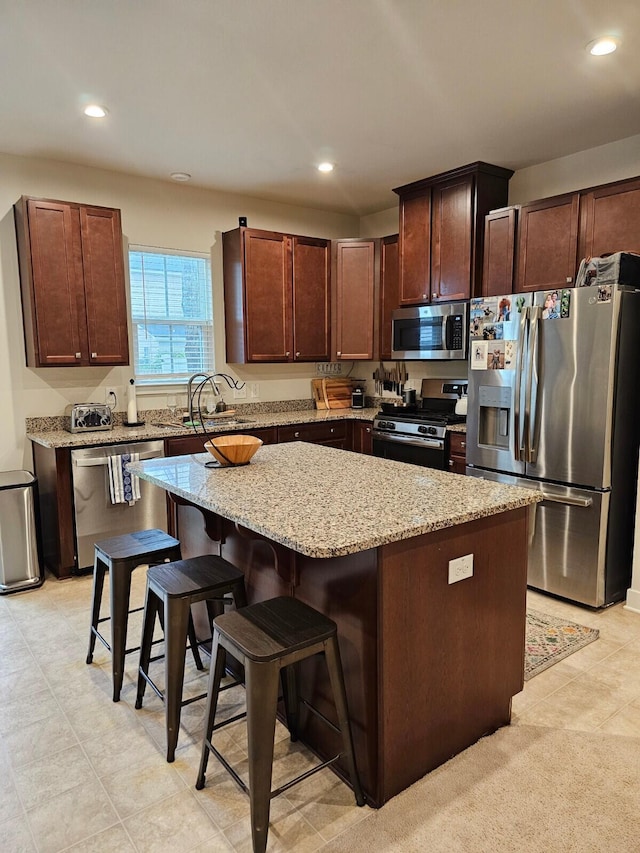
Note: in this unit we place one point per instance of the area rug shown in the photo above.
(550, 639)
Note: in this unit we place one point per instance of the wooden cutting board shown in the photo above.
(332, 393)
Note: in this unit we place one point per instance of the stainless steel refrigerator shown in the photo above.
(554, 403)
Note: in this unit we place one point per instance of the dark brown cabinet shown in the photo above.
(547, 243)
(499, 251)
(457, 452)
(610, 219)
(72, 281)
(355, 266)
(185, 444)
(331, 433)
(276, 294)
(362, 437)
(389, 290)
(442, 232)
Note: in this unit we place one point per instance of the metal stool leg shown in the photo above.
(334, 665)
(99, 570)
(120, 590)
(262, 697)
(151, 608)
(193, 642)
(288, 676)
(219, 660)
(176, 618)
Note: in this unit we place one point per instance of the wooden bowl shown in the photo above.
(237, 449)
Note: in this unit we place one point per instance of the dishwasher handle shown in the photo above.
(97, 461)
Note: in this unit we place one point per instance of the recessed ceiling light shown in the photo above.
(180, 176)
(602, 46)
(325, 167)
(95, 111)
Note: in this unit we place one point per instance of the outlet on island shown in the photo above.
(461, 568)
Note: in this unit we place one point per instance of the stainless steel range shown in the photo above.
(418, 434)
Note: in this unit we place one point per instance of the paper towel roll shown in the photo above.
(132, 406)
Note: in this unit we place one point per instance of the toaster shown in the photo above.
(87, 417)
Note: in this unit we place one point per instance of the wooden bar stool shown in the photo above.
(268, 639)
(120, 556)
(171, 590)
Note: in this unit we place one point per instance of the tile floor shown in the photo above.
(78, 772)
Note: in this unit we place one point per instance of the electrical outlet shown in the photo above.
(255, 389)
(111, 397)
(240, 393)
(461, 568)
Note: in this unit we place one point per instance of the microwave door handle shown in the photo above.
(518, 449)
(532, 384)
(448, 336)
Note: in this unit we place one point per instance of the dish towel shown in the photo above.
(124, 487)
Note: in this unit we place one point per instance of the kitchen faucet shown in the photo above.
(204, 379)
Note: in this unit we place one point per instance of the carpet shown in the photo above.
(549, 639)
(524, 789)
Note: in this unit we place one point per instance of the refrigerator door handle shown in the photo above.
(518, 449)
(530, 413)
(558, 499)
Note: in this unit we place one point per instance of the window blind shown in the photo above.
(171, 314)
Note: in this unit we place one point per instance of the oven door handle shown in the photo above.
(99, 461)
(435, 443)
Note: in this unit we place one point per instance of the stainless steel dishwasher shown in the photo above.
(95, 516)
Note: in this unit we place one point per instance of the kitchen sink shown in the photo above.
(228, 422)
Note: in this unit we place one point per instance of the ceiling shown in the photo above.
(249, 95)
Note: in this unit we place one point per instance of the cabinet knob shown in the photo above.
(463, 444)
(338, 353)
(368, 429)
(331, 429)
(297, 355)
(94, 355)
(78, 355)
(451, 463)
(569, 279)
(296, 435)
(287, 353)
(434, 295)
(424, 295)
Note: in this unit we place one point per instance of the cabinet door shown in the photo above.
(362, 437)
(105, 299)
(457, 453)
(51, 280)
(499, 252)
(355, 299)
(311, 306)
(452, 215)
(548, 243)
(415, 247)
(610, 219)
(389, 290)
(267, 272)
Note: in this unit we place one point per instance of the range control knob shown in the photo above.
(427, 430)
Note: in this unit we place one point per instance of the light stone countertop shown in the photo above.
(324, 502)
(258, 420)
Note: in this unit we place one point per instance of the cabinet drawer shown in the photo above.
(195, 443)
(457, 444)
(325, 432)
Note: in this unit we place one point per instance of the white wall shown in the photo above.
(154, 213)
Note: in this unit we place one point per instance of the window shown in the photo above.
(171, 313)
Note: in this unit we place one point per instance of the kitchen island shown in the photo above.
(430, 665)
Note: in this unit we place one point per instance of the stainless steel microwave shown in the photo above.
(438, 331)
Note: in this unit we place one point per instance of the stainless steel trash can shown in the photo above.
(20, 564)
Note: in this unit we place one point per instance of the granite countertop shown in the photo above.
(324, 502)
(258, 420)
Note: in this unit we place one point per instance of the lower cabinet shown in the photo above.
(362, 437)
(195, 443)
(331, 433)
(457, 452)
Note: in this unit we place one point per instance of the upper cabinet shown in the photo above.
(72, 281)
(539, 245)
(356, 271)
(499, 251)
(610, 219)
(276, 295)
(442, 232)
(547, 243)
